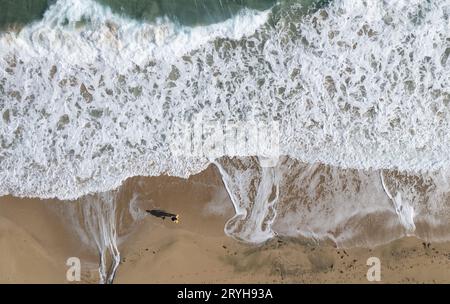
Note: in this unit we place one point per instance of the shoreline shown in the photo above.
(38, 232)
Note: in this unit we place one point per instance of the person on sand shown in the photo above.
(163, 214)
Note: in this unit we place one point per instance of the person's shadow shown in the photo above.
(163, 214)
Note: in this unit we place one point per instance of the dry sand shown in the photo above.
(35, 243)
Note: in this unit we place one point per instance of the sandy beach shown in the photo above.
(36, 238)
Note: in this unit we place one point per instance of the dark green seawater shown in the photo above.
(21, 11)
(185, 12)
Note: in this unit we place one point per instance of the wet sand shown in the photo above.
(36, 239)
(35, 243)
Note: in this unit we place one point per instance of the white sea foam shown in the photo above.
(404, 210)
(83, 32)
(350, 207)
(360, 85)
(68, 90)
(254, 193)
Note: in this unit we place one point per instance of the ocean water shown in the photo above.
(21, 12)
(188, 12)
(357, 93)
